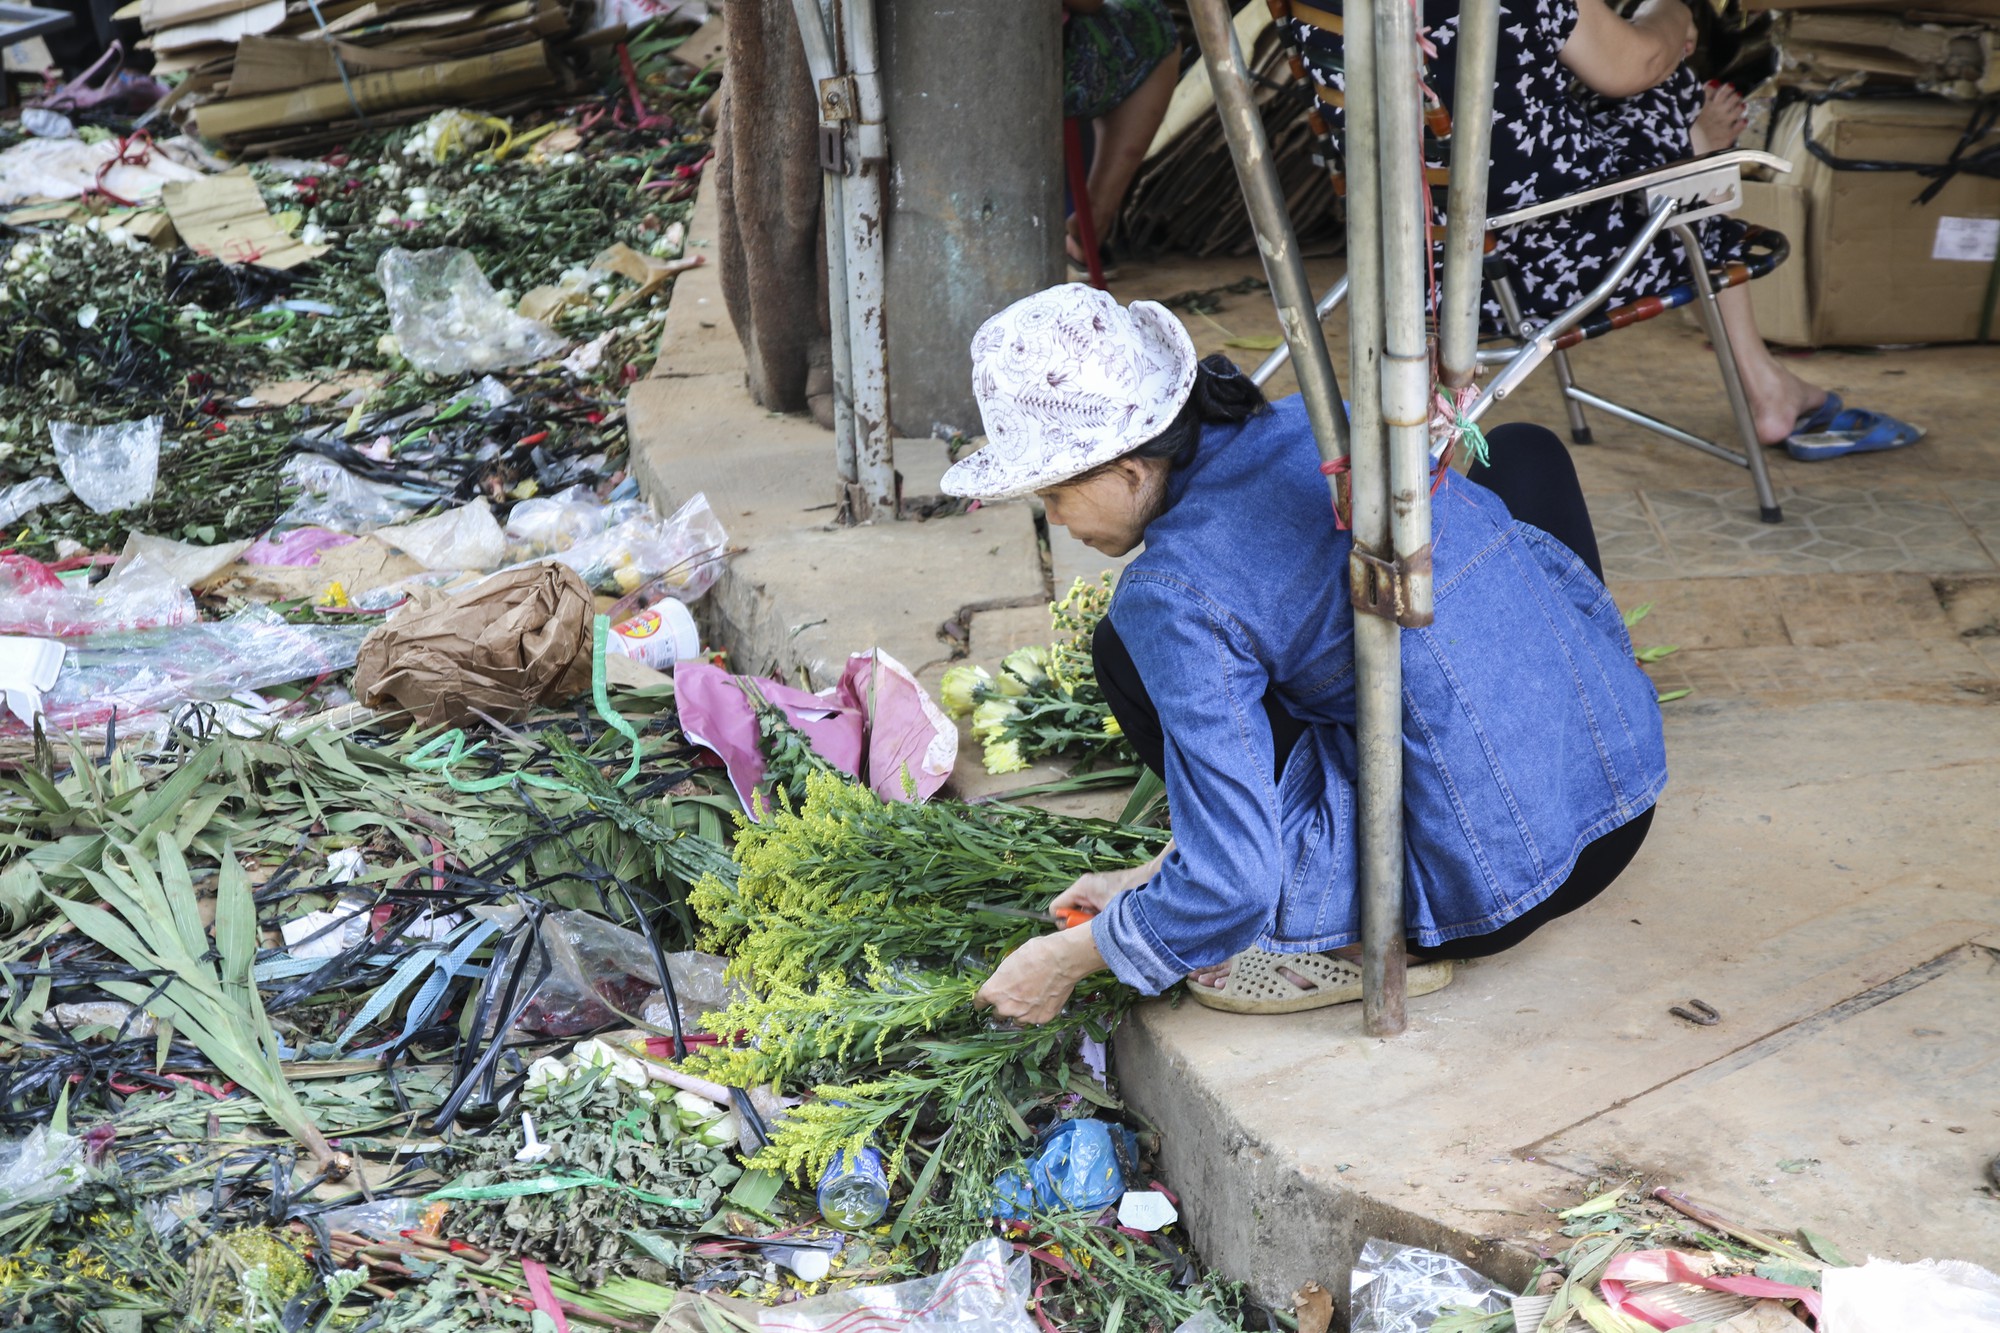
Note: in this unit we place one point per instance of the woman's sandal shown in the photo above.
(1256, 986)
(1834, 430)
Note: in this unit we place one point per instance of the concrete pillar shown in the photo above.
(975, 187)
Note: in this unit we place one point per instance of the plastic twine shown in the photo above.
(1450, 423)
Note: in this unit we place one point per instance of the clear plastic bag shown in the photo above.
(336, 499)
(468, 537)
(1934, 1294)
(549, 524)
(33, 601)
(109, 467)
(1403, 1289)
(449, 320)
(42, 1166)
(385, 1219)
(1206, 1322)
(604, 974)
(153, 671)
(25, 497)
(986, 1291)
(679, 557)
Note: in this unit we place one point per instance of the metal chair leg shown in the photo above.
(1510, 315)
(1579, 428)
(1732, 380)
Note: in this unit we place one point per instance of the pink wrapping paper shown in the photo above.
(877, 709)
(1649, 1266)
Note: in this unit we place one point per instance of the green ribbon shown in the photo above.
(1473, 438)
(555, 1183)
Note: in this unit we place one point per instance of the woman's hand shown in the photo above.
(1096, 890)
(1033, 983)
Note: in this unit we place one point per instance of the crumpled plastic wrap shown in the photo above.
(1934, 1294)
(449, 320)
(34, 602)
(334, 498)
(151, 671)
(623, 544)
(1403, 1289)
(548, 524)
(43, 1165)
(986, 1291)
(109, 467)
(25, 497)
(468, 537)
(604, 973)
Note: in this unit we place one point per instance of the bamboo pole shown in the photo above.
(1284, 269)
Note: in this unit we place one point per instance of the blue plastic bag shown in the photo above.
(1078, 1167)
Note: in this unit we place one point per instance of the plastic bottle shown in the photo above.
(854, 1190)
(659, 636)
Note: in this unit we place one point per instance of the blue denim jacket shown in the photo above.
(1528, 730)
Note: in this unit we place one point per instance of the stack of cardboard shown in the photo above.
(1893, 206)
(1818, 49)
(280, 74)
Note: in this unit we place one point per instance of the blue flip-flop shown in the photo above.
(1834, 431)
(1820, 418)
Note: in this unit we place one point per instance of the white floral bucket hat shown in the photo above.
(1068, 379)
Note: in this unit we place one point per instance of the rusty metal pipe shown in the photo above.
(865, 215)
(1378, 640)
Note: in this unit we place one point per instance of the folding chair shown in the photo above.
(1676, 196)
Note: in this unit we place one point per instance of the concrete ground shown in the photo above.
(1820, 872)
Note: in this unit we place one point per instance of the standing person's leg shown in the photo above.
(1123, 135)
(1530, 470)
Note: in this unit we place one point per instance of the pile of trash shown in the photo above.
(1650, 1260)
(405, 921)
(491, 998)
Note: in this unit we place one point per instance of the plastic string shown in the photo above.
(333, 45)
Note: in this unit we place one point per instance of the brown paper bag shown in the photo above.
(520, 638)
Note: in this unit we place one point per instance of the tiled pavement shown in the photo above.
(1648, 534)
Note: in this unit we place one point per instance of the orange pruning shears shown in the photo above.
(1064, 917)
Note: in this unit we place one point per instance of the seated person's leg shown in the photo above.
(1530, 470)
(1118, 677)
(1597, 865)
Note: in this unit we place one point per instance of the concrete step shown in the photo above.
(1819, 873)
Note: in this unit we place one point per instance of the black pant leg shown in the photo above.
(1530, 470)
(1596, 866)
(1118, 677)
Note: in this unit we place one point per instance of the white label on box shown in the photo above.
(1973, 239)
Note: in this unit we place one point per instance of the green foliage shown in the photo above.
(848, 883)
(155, 924)
(851, 917)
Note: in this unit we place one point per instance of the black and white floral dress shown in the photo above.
(1549, 142)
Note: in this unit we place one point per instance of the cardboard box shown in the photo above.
(1869, 265)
